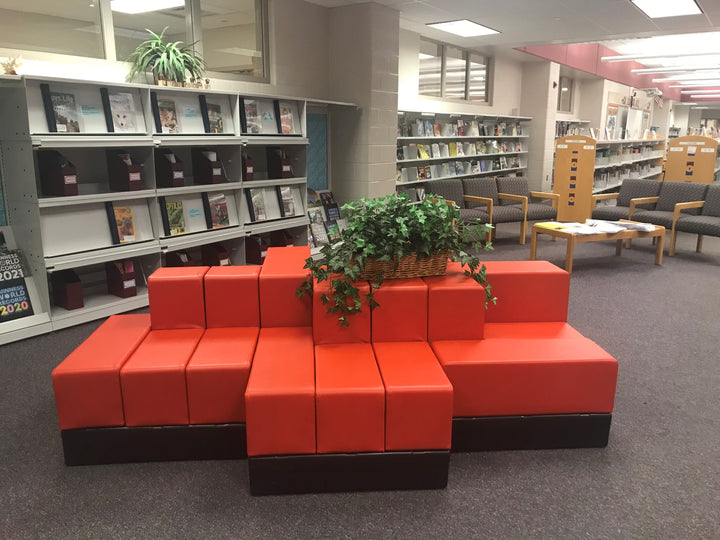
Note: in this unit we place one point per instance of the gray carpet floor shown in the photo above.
(659, 477)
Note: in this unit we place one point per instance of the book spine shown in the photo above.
(164, 215)
(156, 112)
(206, 209)
(204, 112)
(278, 193)
(112, 222)
(49, 111)
(243, 118)
(276, 105)
(106, 108)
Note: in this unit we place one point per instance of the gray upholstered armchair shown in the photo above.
(631, 188)
(486, 188)
(708, 222)
(519, 187)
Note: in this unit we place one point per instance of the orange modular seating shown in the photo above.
(230, 364)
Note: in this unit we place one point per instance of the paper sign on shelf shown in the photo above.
(562, 146)
(708, 150)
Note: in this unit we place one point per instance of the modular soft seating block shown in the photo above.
(527, 291)
(281, 275)
(87, 382)
(456, 307)
(350, 399)
(217, 375)
(403, 311)
(492, 377)
(176, 297)
(418, 397)
(153, 378)
(231, 296)
(327, 327)
(280, 394)
(530, 330)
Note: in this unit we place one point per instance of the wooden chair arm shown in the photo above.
(602, 197)
(517, 198)
(641, 200)
(679, 207)
(554, 197)
(481, 200)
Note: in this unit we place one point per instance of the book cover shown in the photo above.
(168, 116)
(176, 217)
(437, 130)
(122, 110)
(331, 208)
(125, 223)
(288, 202)
(258, 204)
(287, 118)
(66, 114)
(333, 230)
(218, 211)
(215, 121)
(422, 152)
(453, 149)
(252, 116)
(266, 109)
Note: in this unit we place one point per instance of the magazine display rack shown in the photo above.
(616, 161)
(135, 177)
(691, 159)
(436, 146)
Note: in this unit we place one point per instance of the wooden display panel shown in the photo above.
(574, 175)
(691, 159)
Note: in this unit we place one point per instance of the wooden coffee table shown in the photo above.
(619, 237)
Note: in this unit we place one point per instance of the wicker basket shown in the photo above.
(408, 267)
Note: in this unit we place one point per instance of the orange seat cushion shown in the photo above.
(281, 275)
(153, 379)
(177, 298)
(350, 399)
(402, 313)
(418, 397)
(527, 291)
(535, 330)
(87, 382)
(497, 377)
(280, 394)
(217, 375)
(231, 296)
(456, 307)
(326, 327)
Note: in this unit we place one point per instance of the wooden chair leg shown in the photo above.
(523, 232)
(673, 238)
(698, 248)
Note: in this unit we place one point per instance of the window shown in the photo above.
(130, 28)
(565, 95)
(453, 73)
(233, 37)
(69, 27)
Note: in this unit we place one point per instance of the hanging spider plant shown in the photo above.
(167, 61)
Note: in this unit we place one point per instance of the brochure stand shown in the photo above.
(179, 258)
(121, 278)
(169, 170)
(215, 255)
(67, 289)
(124, 174)
(691, 159)
(206, 170)
(58, 177)
(278, 163)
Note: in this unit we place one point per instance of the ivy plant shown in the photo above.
(387, 229)
(166, 60)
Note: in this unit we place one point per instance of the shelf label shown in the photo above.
(676, 149)
(589, 147)
(190, 112)
(135, 177)
(128, 284)
(89, 110)
(562, 146)
(71, 179)
(708, 150)
(178, 174)
(195, 212)
(224, 262)
(216, 171)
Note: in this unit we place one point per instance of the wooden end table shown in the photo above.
(573, 238)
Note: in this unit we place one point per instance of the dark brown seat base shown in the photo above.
(99, 446)
(329, 473)
(534, 432)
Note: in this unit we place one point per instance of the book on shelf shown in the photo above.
(256, 204)
(332, 211)
(453, 149)
(410, 151)
(122, 223)
(175, 218)
(61, 111)
(437, 130)
(418, 128)
(435, 147)
(461, 128)
(421, 173)
(333, 230)
(459, 168)
(460, 149)
(169, 122)
(444, 150)
(250, 116)
(214, 117)
(122, 112)
(14, 296)
(428, 172)
(289, 116)
(219, 215)
(421, 193)
(317, 225)
(503, 162)
(472, 129)
(422, 152)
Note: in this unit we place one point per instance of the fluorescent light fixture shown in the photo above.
(656, 9)
(563, 89)
(693, 85)
(133, 7)
(701, 107)
(425, 56)
(675, 69)
(463, 28)
(713, 91)
(641, 57)
(704, 96)
(687, 103)
(691, 79)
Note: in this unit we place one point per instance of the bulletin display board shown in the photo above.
(574, 173)
(691, 159)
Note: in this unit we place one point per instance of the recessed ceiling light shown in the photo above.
(701, 107)
(463, 28)
(133, 7)
(656, 9)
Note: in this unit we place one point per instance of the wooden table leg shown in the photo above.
(618, 247)
(533, 244)
(659, 250)
(569, 254)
